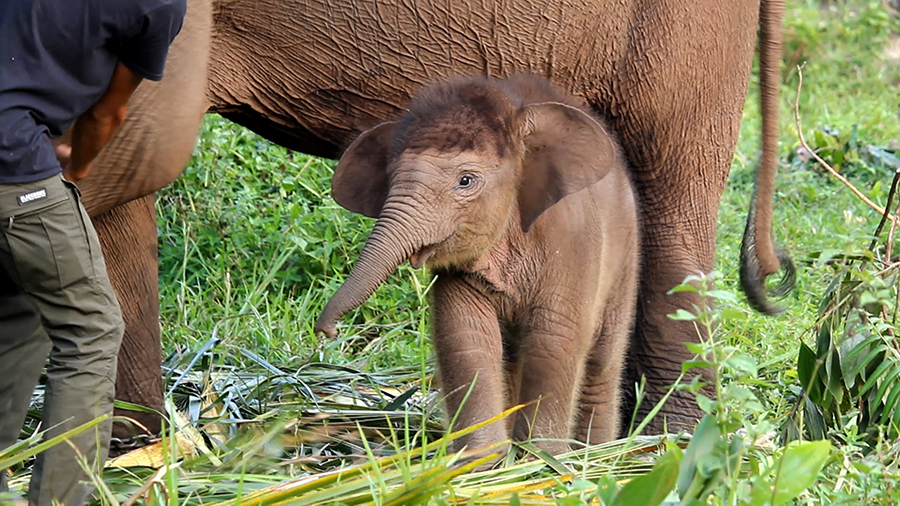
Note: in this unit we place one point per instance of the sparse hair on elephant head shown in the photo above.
(490, 118)
(486, 146)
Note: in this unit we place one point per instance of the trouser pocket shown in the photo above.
(87, 228)
(47, 237)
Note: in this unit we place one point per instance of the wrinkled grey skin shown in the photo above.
(669, 77)
(520, 202)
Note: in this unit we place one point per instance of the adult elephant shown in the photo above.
(671, 77)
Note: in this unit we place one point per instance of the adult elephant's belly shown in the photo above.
(154, 144)
(312, 75)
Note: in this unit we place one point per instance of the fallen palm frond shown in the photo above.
(346, 436)
(274, 459)
(445, 475)
(324, 409)
(263, 434)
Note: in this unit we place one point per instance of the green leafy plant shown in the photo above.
(721, 464)
(852, 376)
(849, 152)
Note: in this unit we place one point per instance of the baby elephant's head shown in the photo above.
(470, 158)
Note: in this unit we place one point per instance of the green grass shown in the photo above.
(249, 236)
(252, 246)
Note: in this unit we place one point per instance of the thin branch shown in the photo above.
(887, 256)
(887, 207)
(890, 239)
(822, 162)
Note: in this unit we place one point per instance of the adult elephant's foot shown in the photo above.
(128, 238)
(656, 353)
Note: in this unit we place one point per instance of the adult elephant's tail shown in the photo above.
(759, 256)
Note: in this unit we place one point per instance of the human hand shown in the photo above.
(75, 175)
(63, 153)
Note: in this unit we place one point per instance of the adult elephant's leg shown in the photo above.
(148, 152)
(128, 238)
(684, 95)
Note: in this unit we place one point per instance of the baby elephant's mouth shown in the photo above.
(418, 259)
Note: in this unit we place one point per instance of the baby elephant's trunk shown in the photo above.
(386, 248)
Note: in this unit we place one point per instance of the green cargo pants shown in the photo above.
(55, 297)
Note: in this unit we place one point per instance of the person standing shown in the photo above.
(64, 63)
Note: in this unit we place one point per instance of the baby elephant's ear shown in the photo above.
(566, 150)
(360, 181)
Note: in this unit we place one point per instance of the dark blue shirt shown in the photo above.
(56, 60)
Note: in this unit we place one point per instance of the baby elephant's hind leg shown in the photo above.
(599, 415)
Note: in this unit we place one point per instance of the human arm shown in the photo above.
(93, 129)
(143, 49)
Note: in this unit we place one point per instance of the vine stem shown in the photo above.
(822, 162)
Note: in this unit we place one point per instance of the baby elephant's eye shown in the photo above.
(465, 181)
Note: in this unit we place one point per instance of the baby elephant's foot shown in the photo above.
(490, 456)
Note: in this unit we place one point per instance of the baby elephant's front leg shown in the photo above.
(469, 348)
(551, 364)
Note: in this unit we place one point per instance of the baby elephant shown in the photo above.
(518, 199)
